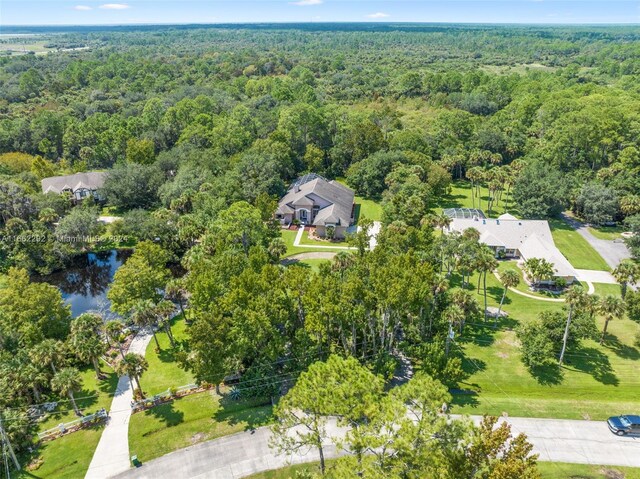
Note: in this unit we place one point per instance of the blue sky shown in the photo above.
(83, 12)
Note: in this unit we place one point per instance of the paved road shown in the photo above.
(112, 454)
(243, 454)
(613, 252)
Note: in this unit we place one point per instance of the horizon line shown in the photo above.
(329, 22)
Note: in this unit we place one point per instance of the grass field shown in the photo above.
(460, 197)
(191, 420)
(65, 458)
(607, 232)
(523, 285)
(314, 242)
(164, 371)
(548, 470)
(367, 209)
(289, 237)
(70, 456)
(596, 381)
(188, 420)
(575, 248)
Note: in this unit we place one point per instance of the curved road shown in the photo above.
(246, 453)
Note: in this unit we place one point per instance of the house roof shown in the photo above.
(507, 216)
(92, 180)
(531, 237)
(535, 247)
(303, 191)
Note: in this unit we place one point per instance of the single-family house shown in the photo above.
(511, 237)
(314, 200)
(79, 185)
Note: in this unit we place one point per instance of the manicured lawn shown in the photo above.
(314, 264)
(70, 456)
(369, 209)
(188, 420)
(607, 232)
(314, 242)
(523, 285)
(164, 372)
(94, 395)
(595, 381)
(460, 197)
(548, 470)
(65, 458)
(575, 248)
(191, 420)
(289, 237)
(561, 470)
(602, 289)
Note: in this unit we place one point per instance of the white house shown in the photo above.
(520, 239)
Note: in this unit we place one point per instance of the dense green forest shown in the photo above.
(201, 130)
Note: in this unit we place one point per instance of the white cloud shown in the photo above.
(306, 3)
(82, 8)
(378, 15)
(114, 6)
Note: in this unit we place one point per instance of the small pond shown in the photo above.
(84, 284)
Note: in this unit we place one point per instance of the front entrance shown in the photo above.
(303, 216)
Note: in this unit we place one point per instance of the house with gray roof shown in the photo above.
(315, 201)
(519, 239)
(79, 185)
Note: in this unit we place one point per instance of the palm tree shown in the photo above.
(164, 310)
(509, 278)
(576, 299)
(133, 365)
(86, 341)
(175, 291)
(277, 248)
(49, 353)
(466, 301)
(48, 215)
(454, 315)
(65, 382)
(627, 272)
(145, 317)
(442, 221)
(113, 330)
(486, 262)
(538, 269)
(611, 307)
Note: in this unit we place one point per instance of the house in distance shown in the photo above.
(315, 201)
(80, 185)
(514, 238)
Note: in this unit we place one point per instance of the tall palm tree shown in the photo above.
(86, 341)
(611, 307)
(486, 263)
(49, 352)
(454, 315)
(114, 330)
(627, 272)
(164, 311)
(576, 299)
(145, 316)
(509, 278)
(133, 365)
(176, 291)
(66, 382)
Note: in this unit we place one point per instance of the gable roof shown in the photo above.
(303, 191)
(531, 237)
(92, 180)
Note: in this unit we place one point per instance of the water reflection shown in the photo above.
(84, 284)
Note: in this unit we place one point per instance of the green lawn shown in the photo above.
(314, 264)
(163, 371)
(460, 197)
(602, 289)
(607, 232)
(575, 248)
(191, 420)
(597, 381)
(369, 209)
(548, 470)
(314, 242)
(70, 456)
(65, 458)
(188, 420)
(523, 285)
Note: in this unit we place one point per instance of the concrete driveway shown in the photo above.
(613, 252)
(593, 276)
(243, 454)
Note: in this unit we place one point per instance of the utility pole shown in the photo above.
(5, 443)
